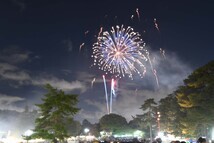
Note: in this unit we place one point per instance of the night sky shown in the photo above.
(40, 43)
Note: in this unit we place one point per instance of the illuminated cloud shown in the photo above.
(11, 72)
(7, 102)
(14, 55)
(59, 83)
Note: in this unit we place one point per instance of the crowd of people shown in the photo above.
(157, 140)
(200, 140)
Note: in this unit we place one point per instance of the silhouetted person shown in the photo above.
(201, 140)
(159, 140)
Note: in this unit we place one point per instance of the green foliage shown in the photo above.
(150, 111)
(27, 138)
(95, 129)
(113, 123)
(170, 115)
(74, 128)
(86, 124)
(134, 123)
(149, 105)
(56, 113)
(149, 116)
(196, 100)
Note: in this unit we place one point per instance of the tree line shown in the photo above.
(187, 112)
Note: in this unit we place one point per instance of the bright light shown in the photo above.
(138, 133)
(90, 138)
(212, 137)
(160, 134)
(28, 133)
(104, 133)
(86, 130)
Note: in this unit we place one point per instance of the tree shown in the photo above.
(86, 124)
(56, 112)
(170, 115)
(134, 124)
(74, 128)
(95, 129)
(149, 117)
(113, 123)
(196, 98)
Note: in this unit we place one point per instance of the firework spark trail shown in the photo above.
(138, 14)
(112, 92)
(81, 46)
(86, 32)
(120, 52)
(162, 53)
(153, 70)
(92, 82)
(106, 94)
(132, 17)
(156, 77)
(101, 30)
(115, 89)
(156, 24)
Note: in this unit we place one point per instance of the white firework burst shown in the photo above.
(120, 52)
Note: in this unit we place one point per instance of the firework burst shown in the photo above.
(120, 52)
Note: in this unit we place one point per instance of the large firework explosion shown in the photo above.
(120, 52)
